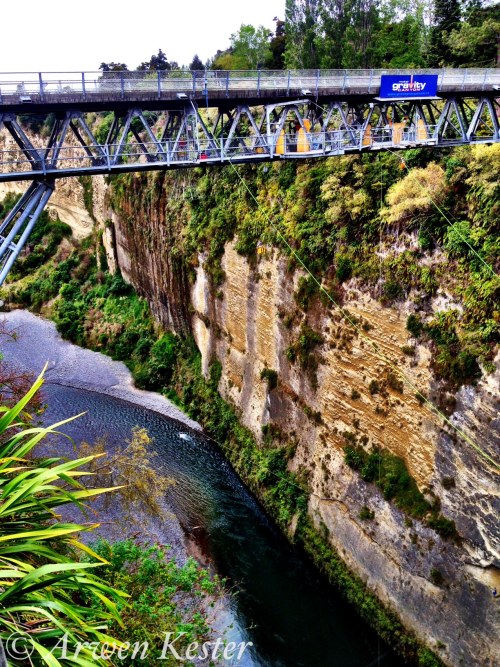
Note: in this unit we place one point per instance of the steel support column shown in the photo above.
(17, 226)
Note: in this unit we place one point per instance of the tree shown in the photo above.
(277, 47)
(132, 470)
(446, 19)
(331, 34)
(302, 21)
(358, 43)
(251, 45)
(334, 21)
(475, 46)
(156, 62)
(399, 44)
(249, 49)
(476, 43)
(14, 383)
(196, 64)
(113, 67)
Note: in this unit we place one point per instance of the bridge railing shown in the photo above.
(82, 86)
(110, 157)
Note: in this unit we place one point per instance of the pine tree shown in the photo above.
(277, 46)
(196, 64)
(446, 19)
(157, 62)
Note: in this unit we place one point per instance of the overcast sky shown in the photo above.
(62, 36)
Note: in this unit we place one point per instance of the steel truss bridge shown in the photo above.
(115, 122)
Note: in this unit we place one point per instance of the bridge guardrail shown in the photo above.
(43, 87)
(38, 161)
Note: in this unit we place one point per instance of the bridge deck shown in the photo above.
(97, 90)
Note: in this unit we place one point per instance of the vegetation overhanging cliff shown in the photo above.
(200, 248)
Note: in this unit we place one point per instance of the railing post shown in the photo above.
(440, 85)
(258, 83)
(193, 74)
(83, 86)
(464, 79)
(485, 78)
(371, 79)
(40, 81)
(159, 84)
(317, 82)
(122, 85)
(288, 85)
(227, 83)
(344, 82)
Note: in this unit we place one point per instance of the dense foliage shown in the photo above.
(43, 581)
(334, 34)
(56, 607)
(351, 34)
(164, 597)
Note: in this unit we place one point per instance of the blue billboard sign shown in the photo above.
(404, 86)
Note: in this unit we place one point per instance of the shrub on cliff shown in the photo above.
(391, 475)
(161, 361)
(164, 596)
(303, 350)
(415, 194)
(271, 376)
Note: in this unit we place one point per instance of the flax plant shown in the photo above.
(54, 609)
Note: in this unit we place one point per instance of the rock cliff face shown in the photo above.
(67, 201)
(144, 250)
(247, 331)
(441, 589)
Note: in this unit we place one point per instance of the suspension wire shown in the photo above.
(381, 262)
(440, 210)
(421, 397)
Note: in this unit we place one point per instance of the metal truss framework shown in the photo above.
(17, 226)
(139, 140)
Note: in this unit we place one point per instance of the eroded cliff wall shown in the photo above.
(333, 387)
(442, 589)
(247, 331)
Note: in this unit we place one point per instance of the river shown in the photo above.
(290, 613)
